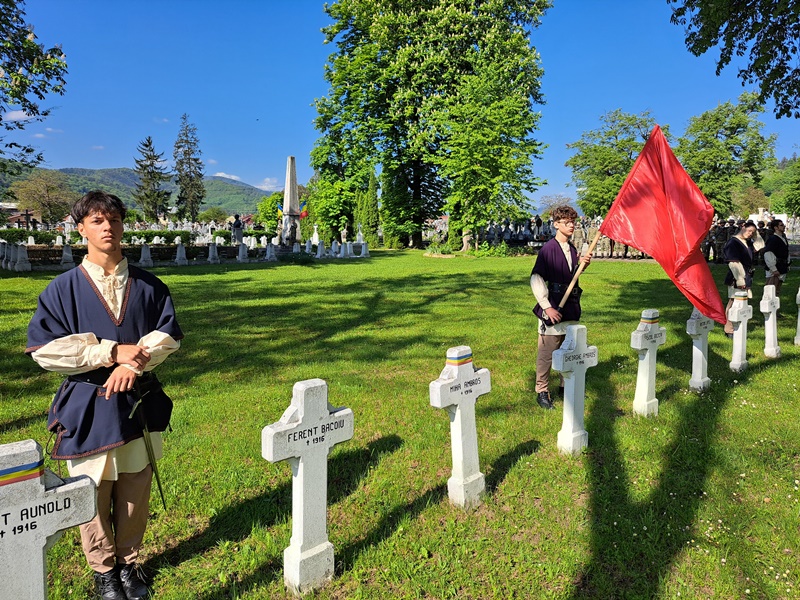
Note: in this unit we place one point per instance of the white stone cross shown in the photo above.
(35, 507)
(698, 327)
(647, 337)
(306, 432)
(456, 390)
(769, 308)
(571, 360)
(738, 314)
(797, 332)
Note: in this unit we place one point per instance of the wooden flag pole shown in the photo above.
(581, 267)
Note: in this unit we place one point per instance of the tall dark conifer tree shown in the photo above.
(152, 174)
(188, 171)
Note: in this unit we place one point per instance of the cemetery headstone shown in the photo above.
(321, 254)
(31, 241)
(304, 436)
(177, 240)
(797, 331)
(67, 261)
(309, 247)
(364, 250)
(180, 255)
(11, 257)
(739, 314)
(3, 250)
(315, 236)
(269, 255)
(59, 240)
(698, 327)
(213, 254)
(646, 339)
(769, 308)
(334, 249)
(456, 390)
(296, 247)
(571, 360)
(22, 264)
(343, 250)
(145, 258)
(242, 256)
(360, 235)
(35, 507)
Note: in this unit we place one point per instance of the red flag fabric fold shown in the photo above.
(661, 212)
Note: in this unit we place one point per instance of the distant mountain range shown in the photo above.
(230, 195)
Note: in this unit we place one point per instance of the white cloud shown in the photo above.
(51, 130)
(227, 176)
(98, 147)
(160, 120)
(211, 161)
(15, 115)
(270, 184)
(39, 135)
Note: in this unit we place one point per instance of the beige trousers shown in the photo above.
(544, 359)
(115, 534)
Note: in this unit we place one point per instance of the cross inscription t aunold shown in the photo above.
(456, 390)
(739, 314)
(647, 337)
(769, 308)
(306, 432)
(698, 327)
(35, 507)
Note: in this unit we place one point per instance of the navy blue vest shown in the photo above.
(84, 422)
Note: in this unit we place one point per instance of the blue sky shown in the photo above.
(247, 73)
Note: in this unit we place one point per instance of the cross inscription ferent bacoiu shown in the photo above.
(35, 507)
(306, 432)
(572, 360)
(456, 390)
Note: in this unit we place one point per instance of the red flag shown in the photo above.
(661, 211)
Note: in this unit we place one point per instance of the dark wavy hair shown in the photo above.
(98, 201)
(564, 212)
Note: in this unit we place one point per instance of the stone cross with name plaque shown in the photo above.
(306, 432)
(571, 360)
(769, 308)
(739, 314)
(456, 390)
(647, 337)
(35, 507)
(698, 327)
(797, 331)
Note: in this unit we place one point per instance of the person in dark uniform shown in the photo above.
(739, 253)
(106, 325)
(556, 263)
(776, 255)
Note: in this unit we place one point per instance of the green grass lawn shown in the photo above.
(699, 502)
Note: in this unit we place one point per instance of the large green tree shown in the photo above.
(367, 212)
(152, 173)
(188, 171)
(46, 192)
(400, 74)
(723, 149)
(29, 72)
(604, 157)
(766, 31)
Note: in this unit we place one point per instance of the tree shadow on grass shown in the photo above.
(237, 521)
(634, 542)
(500, 468)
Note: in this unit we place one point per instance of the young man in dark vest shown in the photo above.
(106, 325)
(552, 273)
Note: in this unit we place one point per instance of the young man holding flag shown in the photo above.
(552, 273)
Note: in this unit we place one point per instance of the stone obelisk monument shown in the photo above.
(291, 206)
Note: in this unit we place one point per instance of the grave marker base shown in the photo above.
(306, 571)
(572, 442)
(466, 493)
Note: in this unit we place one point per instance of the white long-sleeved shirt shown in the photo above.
(83, 352)
(542, 294)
